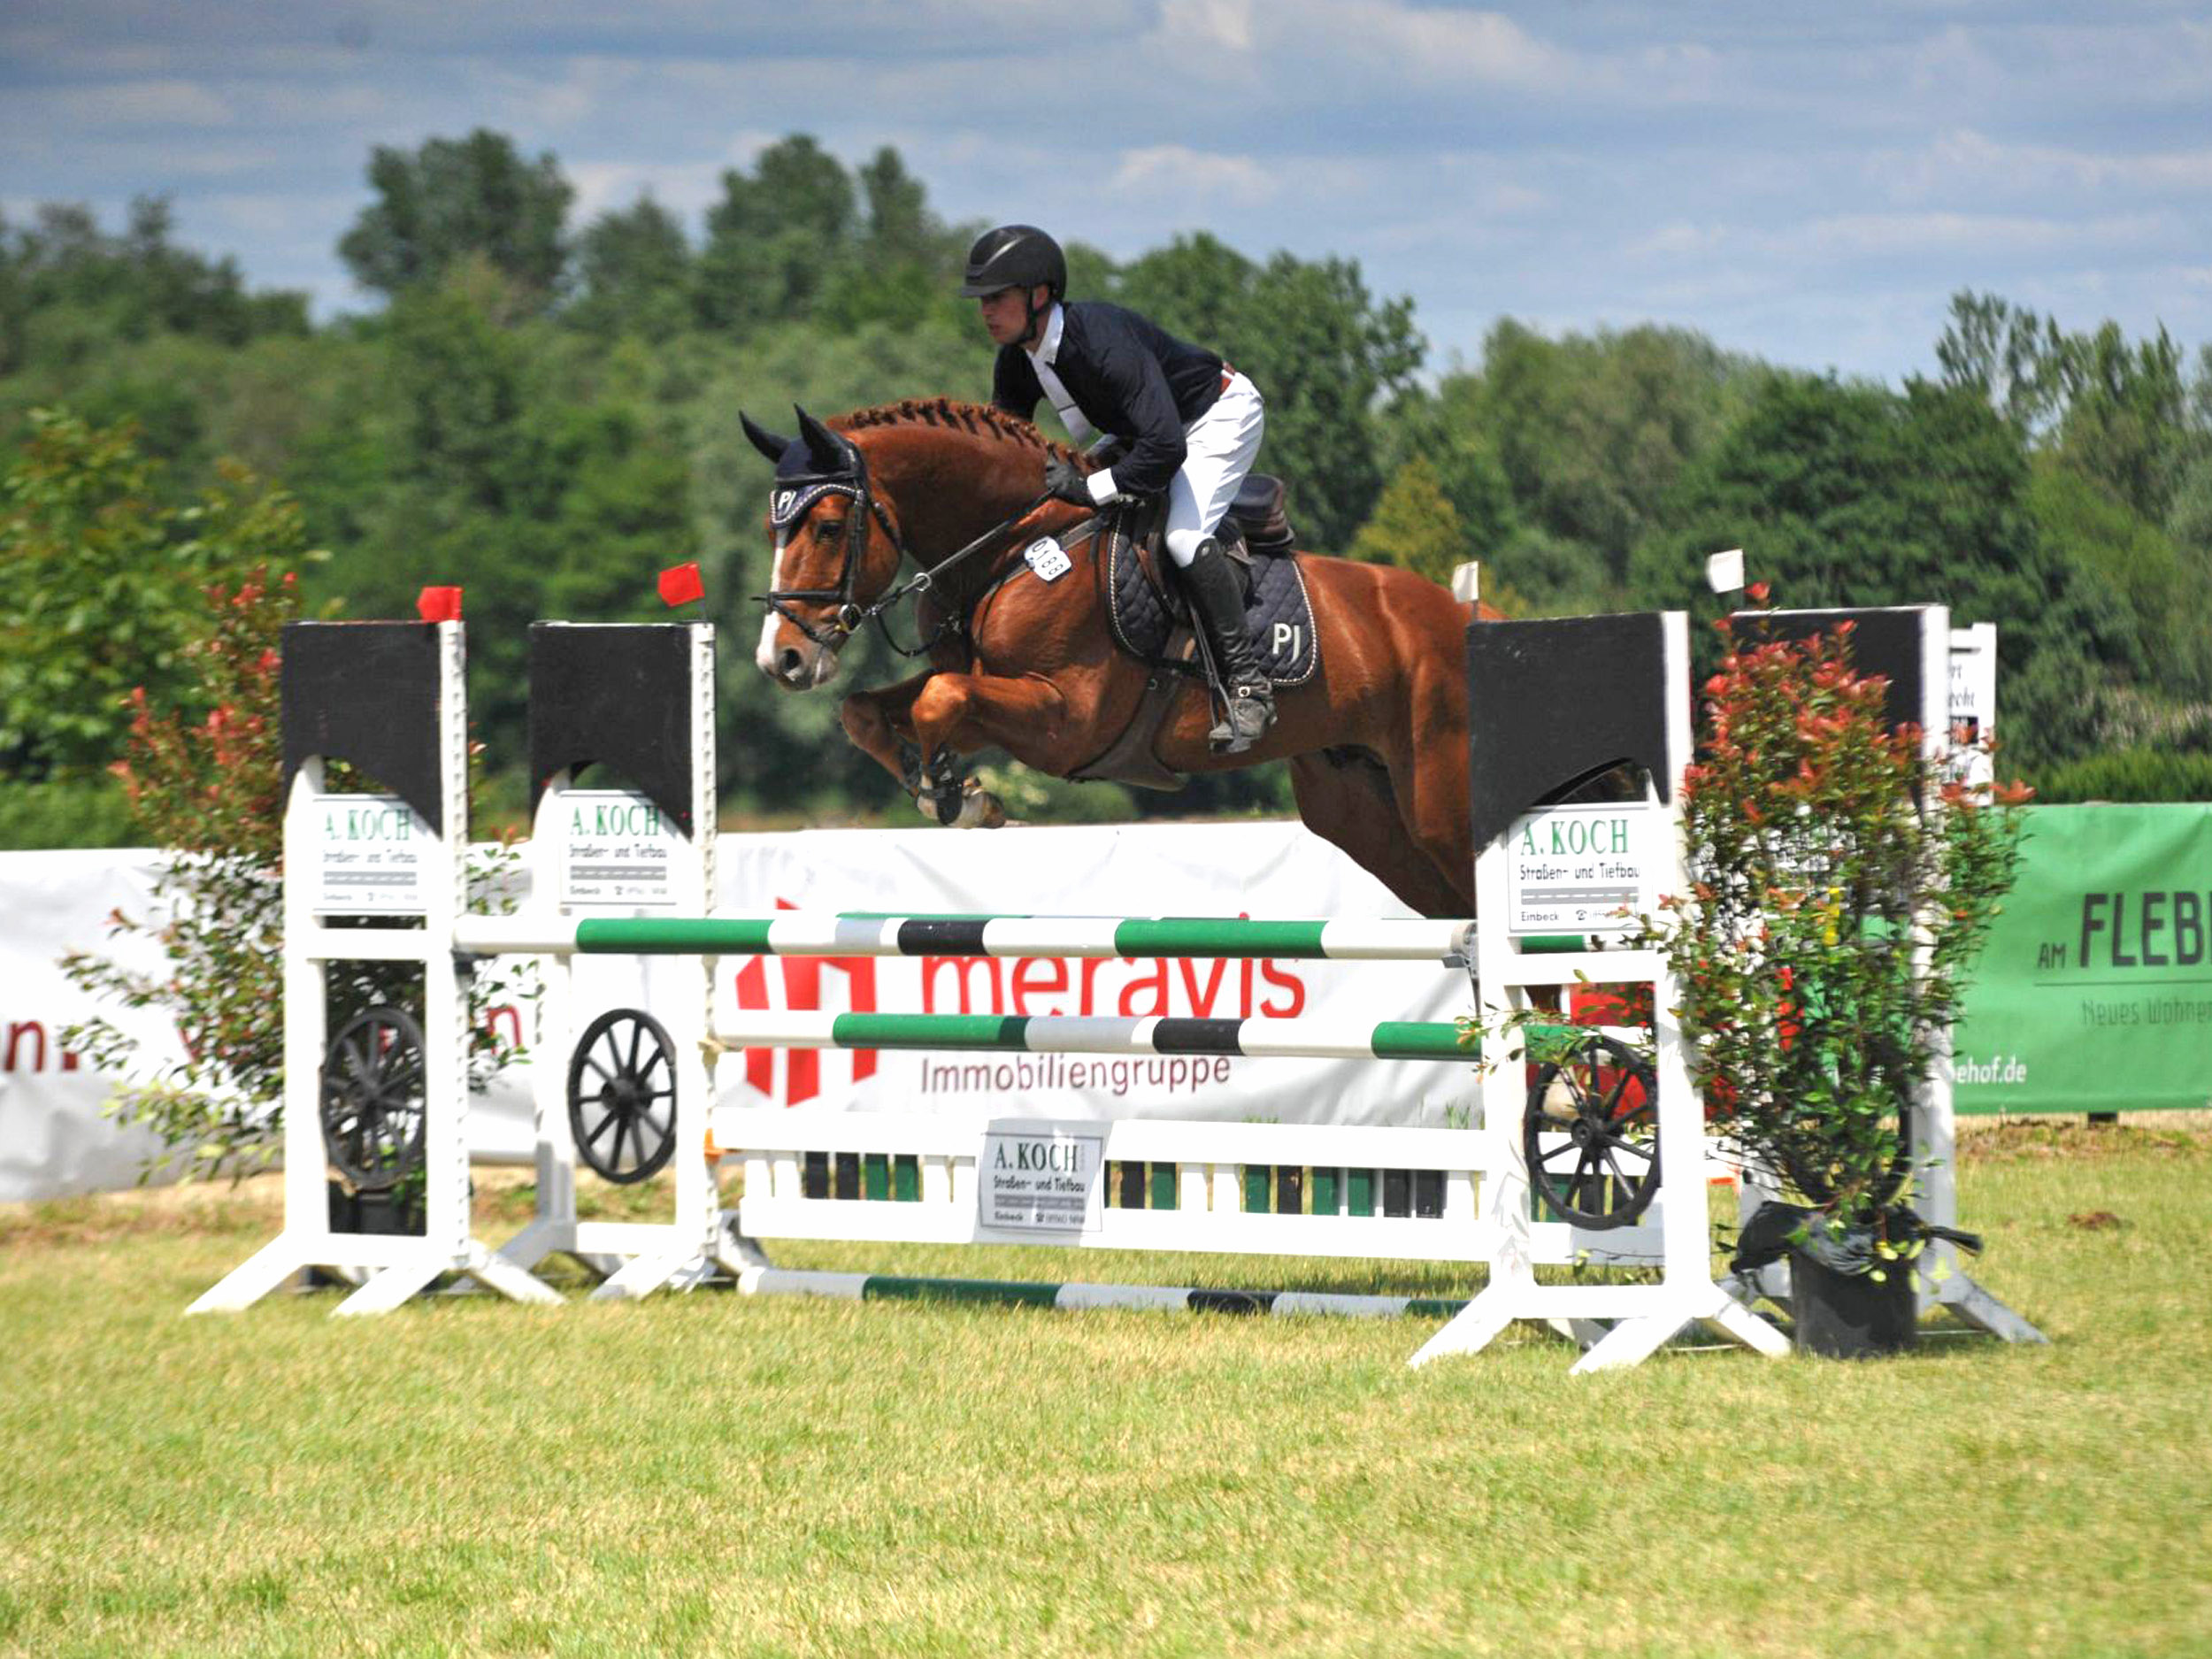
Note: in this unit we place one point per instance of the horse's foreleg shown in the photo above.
(881, 724)
(958, 714)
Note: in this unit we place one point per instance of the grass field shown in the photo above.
(719, 1474)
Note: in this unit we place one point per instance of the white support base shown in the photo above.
(402, 1281)
(388, 1270)
(677, 1270)
(1650, 1316)
(1977, 1308)
(273, 1266)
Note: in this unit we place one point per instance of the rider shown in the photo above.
(1174, 418)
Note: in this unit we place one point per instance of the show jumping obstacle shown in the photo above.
(387, 1102)
(386, 698)
(1562, 1170)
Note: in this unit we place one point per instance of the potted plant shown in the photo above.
(1840, 885)
(400, 1209)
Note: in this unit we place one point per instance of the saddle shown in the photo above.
(1150, 619)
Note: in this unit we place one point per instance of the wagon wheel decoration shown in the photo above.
(1591, 1133)
(622, 1095)
(373, 1098)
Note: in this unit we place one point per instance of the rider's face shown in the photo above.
(1006, 313)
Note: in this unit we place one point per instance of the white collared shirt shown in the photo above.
(1041, 357)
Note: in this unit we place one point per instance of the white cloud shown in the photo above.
(1189, 173)
(685, 190)
(1205, 26)
(1416, 43)
(1965, 163)
(1680, 240)
(1982, 235)
(146, 103)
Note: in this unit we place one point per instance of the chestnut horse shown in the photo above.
(1376, 739)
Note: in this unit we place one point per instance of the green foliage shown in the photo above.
(634, 274)
(2124, 424)
(1839, 891)
(67, 290)
(2117, 414)
(799, 239)
(450, 200)
(1037, 797)
(1852, 495)
(1414, 527)
(2168, 618)
(77, 812)
(1589, 434)
(2010, 357)
(206, 786)
(103, 589)
(2128, 775)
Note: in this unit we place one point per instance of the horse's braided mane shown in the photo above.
(980, 419)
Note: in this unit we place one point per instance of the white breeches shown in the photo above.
(1221, 446)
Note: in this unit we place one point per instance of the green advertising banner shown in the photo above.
(2095, 992)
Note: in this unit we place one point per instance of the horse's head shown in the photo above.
(836, 551)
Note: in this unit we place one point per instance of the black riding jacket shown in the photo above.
(1129, 377)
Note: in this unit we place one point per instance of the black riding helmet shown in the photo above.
(1015, 256)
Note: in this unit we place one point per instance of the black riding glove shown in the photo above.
(1064, 481)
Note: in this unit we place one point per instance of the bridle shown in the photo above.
(795, 496)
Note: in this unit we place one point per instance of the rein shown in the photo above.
(795, 497)
(925, 581)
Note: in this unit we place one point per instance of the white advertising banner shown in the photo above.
(53, 1139)
(1257, 869)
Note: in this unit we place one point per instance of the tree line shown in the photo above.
(546, 413)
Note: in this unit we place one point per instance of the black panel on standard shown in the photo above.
(1553, 705)
(1887, 642)
(617, 696)
(366, 693)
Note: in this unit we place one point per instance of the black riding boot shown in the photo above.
(1217, 595)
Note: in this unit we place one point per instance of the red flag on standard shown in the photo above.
(680, 584)
(438, 604)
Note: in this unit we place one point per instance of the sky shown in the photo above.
(1807, 183)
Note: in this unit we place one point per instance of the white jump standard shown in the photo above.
(629, 1095)
(386, 698)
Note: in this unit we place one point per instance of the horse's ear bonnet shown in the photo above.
(767, 442)
(824, 447)
(798, 458)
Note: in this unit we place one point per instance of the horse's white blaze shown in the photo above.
(765, 657)
(817, 664)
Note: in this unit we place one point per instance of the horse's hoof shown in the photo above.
(981, 809)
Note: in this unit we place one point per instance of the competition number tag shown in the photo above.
(1048, 559)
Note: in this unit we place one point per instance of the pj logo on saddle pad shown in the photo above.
(1276, 610)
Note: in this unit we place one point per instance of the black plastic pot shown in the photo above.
(384, 1213)
(1852, 1316)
